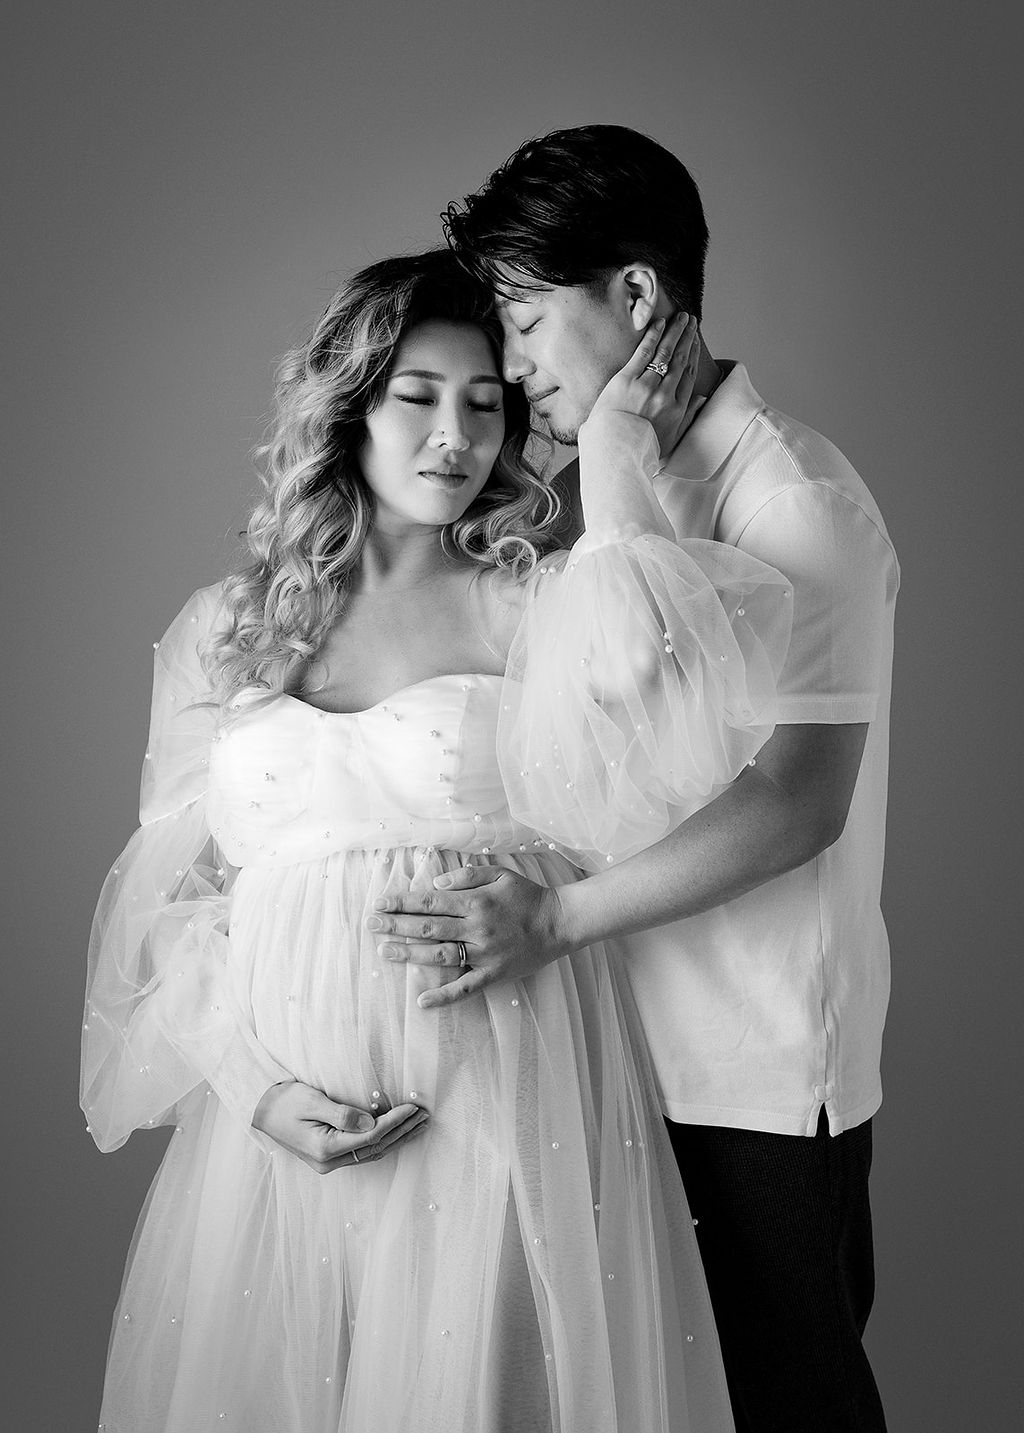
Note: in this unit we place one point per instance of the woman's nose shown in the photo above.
(450, 432)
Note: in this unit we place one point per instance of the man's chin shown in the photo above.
(559, 428)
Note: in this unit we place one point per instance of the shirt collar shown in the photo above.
(717, 428)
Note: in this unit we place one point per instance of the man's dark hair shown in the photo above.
(570, 207)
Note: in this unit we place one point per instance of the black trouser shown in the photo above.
(784, 1230)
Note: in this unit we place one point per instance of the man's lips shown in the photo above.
(539, 397)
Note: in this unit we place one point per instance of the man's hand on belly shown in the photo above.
(510, 927)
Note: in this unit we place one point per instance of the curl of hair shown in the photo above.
(306, 533)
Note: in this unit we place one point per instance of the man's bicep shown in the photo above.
(843, 573)
(814, 766)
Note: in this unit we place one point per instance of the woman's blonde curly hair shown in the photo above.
(307, 531)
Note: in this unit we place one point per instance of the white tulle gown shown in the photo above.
(529, 1262)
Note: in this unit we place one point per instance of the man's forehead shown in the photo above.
(514, 286)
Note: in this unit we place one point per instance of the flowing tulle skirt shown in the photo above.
(526, 1264)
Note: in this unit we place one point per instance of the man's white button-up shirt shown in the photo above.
(766, 1008)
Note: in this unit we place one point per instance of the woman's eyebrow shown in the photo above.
(440, 377)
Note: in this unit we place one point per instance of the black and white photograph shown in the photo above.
(511, 718)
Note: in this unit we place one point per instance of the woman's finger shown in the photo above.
(682, 371)
(396, 1136)
(347, 1119)
(390, 1130)
(336, 1143)
(400, 1137)
(684, 345)
(672, 348)
(645, 349)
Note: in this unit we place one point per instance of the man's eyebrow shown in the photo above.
(440, 377)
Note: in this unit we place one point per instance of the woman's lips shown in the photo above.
(449, 478)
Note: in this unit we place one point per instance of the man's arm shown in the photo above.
(781, 812)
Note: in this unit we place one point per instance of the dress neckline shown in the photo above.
(399, 692)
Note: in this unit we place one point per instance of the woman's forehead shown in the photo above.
(439, 345)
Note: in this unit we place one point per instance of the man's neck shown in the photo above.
(709, 374)
(567, 481)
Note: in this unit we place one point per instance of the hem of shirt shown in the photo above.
(772, 1121)
(791, 711)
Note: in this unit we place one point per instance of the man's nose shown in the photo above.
(515, 364)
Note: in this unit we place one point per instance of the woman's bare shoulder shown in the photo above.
(501, 596)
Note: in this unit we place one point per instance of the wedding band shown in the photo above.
(463, 958)
(355, 1156)
(659, 368)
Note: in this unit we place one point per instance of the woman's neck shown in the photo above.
(393, 561)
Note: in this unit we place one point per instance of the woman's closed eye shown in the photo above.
(425, 401)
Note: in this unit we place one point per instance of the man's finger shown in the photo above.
(420, 953)
(431, 929)
(464, 879)
(456, 990)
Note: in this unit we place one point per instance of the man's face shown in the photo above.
(563, 345)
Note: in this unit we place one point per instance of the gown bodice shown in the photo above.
(290, 783)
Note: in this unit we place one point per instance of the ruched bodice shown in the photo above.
(289, 782)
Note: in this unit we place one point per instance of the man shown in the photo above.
(762, 976)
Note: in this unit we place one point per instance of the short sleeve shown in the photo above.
(844, 576)
(164, 1017)
(640, 681)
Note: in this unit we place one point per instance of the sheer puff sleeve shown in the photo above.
(163, 1018)
(642, 675)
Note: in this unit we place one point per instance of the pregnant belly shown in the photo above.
(324, 1001)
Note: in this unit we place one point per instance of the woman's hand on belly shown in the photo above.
(327, 1135)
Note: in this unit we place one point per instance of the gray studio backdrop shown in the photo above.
(185, 184)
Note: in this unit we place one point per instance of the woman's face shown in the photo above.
(432, 439)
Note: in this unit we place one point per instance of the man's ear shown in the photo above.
(643, 294)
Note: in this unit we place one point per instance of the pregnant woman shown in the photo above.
(373, 1216)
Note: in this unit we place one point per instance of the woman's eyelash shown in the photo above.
(423, 402)
(530, 326)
